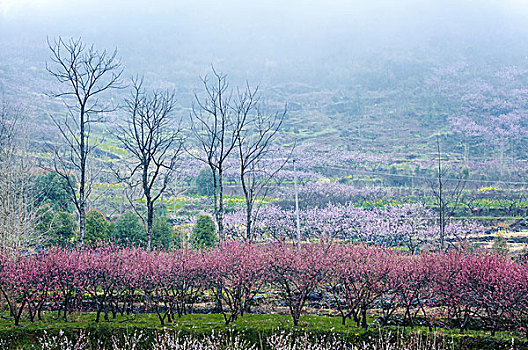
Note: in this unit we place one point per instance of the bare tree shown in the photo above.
(256, 151)
(447, 193)
(19, 215)
(84, 75)
(154, 145)
(216, 126)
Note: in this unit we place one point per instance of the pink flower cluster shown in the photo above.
(456, 289)
(412, 226)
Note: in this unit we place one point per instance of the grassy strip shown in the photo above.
(253, 327)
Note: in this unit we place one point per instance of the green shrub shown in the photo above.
(204, 183)
(59, 227)
(53, 190)
(204, 232)
(97, 228)
(163, 234)
(129, 229)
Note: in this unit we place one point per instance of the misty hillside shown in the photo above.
(381, 78)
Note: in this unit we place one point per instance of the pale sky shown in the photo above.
(11, 7)
(302, 38)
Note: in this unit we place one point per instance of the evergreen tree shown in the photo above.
(163, 234)
(204, 233)
(129, 229)
(97, 228)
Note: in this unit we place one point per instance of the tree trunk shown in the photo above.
(82, 222)
(150, 204)
(82, 200)
(215, 193)
(295, 317)
(248, 222)
(150, 220)
(249, 205)
(364, 317)
(441, 205)
(220, 214)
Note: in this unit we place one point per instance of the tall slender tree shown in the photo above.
(254, 149)
(19, 215)
(84, 75)
(215, 125)
(153, 142)
(447, 194)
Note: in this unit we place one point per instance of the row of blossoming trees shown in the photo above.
(458, 289)
(412, 226)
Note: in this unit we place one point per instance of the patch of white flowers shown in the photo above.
(62, 342)
(286, 341)
(175, 341)
(168, 340)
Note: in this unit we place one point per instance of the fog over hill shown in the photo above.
(330, 60)
(268, 40)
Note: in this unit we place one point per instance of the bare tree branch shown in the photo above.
(154, 144)
(255, 147)
(19, 216)
(84, 74)
(215, 126)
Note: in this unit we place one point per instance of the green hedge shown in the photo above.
(253, 328)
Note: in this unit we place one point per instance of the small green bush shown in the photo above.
(204, 183)
(129, 229)
(98, 229)
(163, 234)
(59, 227)
(53, 190)
(204, 232)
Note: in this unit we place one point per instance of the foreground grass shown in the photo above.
(251, 326)
(196, 323)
